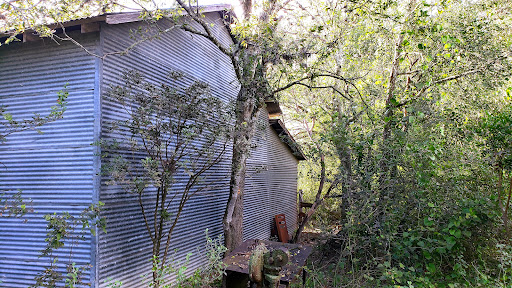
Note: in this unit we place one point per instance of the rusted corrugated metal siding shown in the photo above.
(271, 183)
(125, 251)
(56, 169)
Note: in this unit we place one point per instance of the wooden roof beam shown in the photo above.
(90, 27)
(30, 36)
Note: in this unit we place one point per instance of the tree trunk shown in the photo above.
(499, 170)
(302, 224)
(318, 202)
(246, 114)
(388, 115)
(318, 198)
(305, 220)
(345, 155)
(505, 213)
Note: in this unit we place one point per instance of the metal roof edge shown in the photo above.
(287, 138)
(116, 18)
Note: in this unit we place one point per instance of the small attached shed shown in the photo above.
(60, 169)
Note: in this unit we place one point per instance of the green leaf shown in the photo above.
(431, 267)
(7, 116)
(450, 242)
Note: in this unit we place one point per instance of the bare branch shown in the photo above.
(454, 77)
(311, 77)
(209, 35)
(409, 72)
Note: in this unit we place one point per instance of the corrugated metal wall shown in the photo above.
(283, 180)
(55, 169)
(271, 183)
(125, 251)
(58, 170)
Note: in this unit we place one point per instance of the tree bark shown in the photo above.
(388, 114)
(318, 202)
(348, 185)
(246, 115)
(500, 187)
(505, 213)
(249, 64)
(319, 199)
(247, 8)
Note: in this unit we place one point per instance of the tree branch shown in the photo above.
(311, 77)
(454, 77)
(209, 35)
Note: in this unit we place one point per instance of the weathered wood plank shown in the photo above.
(90, 27)
(120, 18)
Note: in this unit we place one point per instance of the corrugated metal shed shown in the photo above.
(55, 169)
(124, 252)
(271, 183)
(59, 169)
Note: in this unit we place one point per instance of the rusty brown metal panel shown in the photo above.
(282, 229)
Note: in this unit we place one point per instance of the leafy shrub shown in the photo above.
(208, 274)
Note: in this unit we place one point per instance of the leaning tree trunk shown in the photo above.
(499, 187)
(319, 199)
(384, 164)
(246, 114)
(345, 156)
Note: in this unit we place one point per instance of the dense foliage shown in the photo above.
(420, 142)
